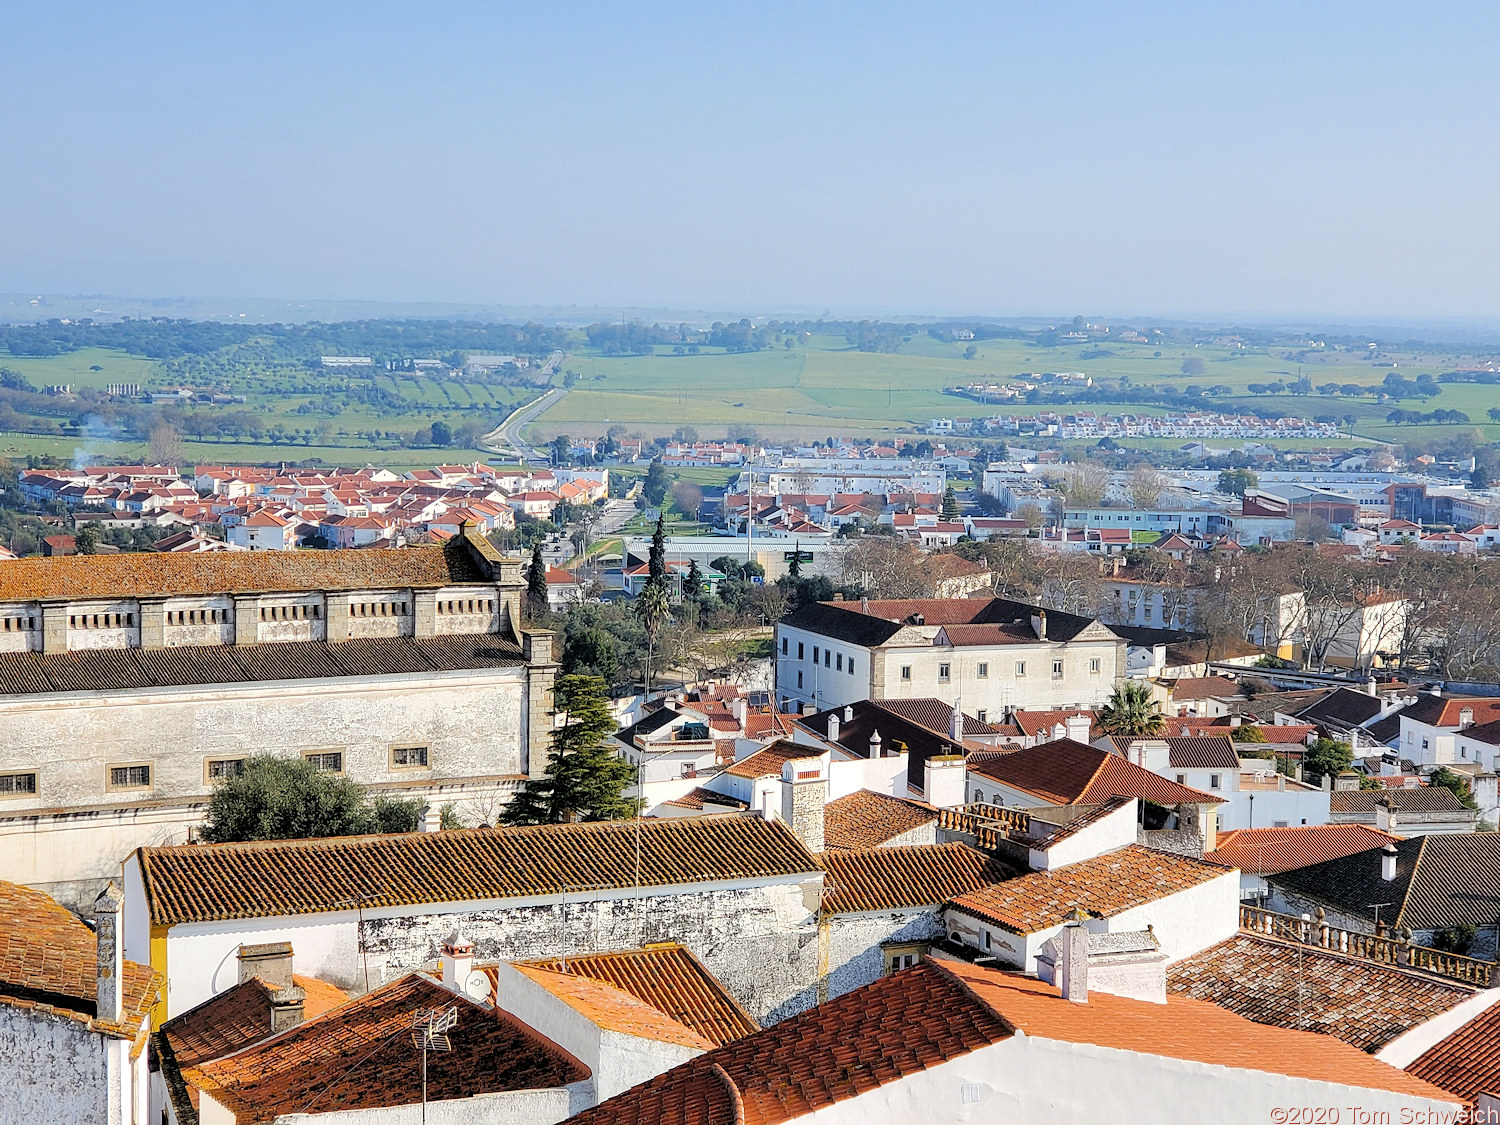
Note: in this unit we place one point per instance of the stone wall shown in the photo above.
(51, 1069)
(855, 954)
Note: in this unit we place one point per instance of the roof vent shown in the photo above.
(917, 619)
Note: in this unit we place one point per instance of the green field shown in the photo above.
(825, 387)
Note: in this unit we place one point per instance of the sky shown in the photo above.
(1126, 159)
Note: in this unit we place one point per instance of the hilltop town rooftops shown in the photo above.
(1066, 772)
(214, 882)
(1268, 851)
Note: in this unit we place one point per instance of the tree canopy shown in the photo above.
(1131, 710)
(277, 798)
(585, 779)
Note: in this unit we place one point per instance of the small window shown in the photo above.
(1424, 744)
(327, 761)
(409, 757)
(906, 672)
(827, 658)
(1057, 669)
(943, 673)
(838, 662)
(982, 715)
(130, 776)
(986, 939)
(1094, 666)
(982, 670)
(851, 666)
(1020, 667)
(1182, 779)
(801, 652)
(1279, 823)
(17, 784)
(218, 769)
(785, 644)
(815, 654)
(1213, 781)
(799, 680)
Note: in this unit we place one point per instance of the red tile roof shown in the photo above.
(1105, 885)
(611, 1009)
(866, 819)
(671, 980)
(211, 882)
(768, 762)
(1071, 773)
(698, 797)
(915, 875)
(48, 958)
(359, 1056)
(1272, 850)
(1466, 1062)
(1204, 687)
(1033, 723)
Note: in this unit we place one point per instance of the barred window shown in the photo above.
(17, 784)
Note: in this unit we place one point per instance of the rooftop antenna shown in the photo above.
(429, 1032)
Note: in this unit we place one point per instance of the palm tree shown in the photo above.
(1131, 710)
(652, 608)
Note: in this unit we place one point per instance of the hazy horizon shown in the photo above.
(1151, 163)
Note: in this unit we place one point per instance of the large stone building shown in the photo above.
(994, 655)
(130, 683)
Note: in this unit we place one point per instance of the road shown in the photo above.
(506, 440)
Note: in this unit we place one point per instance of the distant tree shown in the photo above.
(585, 778)
(950, 505)
(1145, 486)
(1247, 732)
(560, 448)
(1326, 757)
(1131, 710)
(654, 486)
(693, 586)
(86, 538)
(970, 352)
(1194, 365)
(1235, 482)
(1086, 484)
(656, 558)
(536, 585)
(1451, 780)
(688, 497)
(164, 447)
(1493, 413)
(1030, 513)
(685, 435)
(653, 608)
(794, 566)
(442, 434)
(277, 798)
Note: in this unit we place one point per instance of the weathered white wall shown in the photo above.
(882, 775)
(1105, 835)
(855, 956)
(53, 1069)
(1027, 1078)
(526, 1107)
(721, 923)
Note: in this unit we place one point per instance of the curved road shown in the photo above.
(506, 440)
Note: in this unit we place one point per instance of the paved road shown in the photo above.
(506, 440)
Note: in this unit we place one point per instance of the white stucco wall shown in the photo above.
(1027, 1078)
(855, 955)
(882, 775)
(719, 922)
(1294, 805)
(53, 1069)
(524, 1107)
(1105, 835)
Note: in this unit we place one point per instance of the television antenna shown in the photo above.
(429, 1032)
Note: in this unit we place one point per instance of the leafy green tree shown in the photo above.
(1248, 732)
(794, 568)
(693, 587)
(654, 486)
(536, 584)
(442, 434)
(1326, 756)
(276, 798)
(1457, 783)
(950, 505)
(585, 778)
(1131, 710)
(560, 449)
(1234, 482)
(86, 538)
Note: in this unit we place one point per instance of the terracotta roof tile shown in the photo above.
(1306, 988)
(611, 1009)
(1468, 1061)
(1204, 687)
(934, 714)
(699, 797)
(670, 979)
(1272, 850)
(1105, 885)
(359, 1056)
(208, 882)
(1065, 772)
(1425, 798)
(147, 575)
(48, 957)
(866, 819)
(915, 875)
(768, 762)
(1033, 723)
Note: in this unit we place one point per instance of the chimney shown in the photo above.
(804, 792)
(864, 604)
(431, 820)
(1078, 728)
(1235, 722)
(1327, 783)
(287, 1007)
(1073, 962)
(458, 960)
(1039, 624)
(1466, 718)
(956, 722)
(1059, 730)
(944, 779)
(1388, 863)
(833, 726)
(1385, 815)
(809, 708)
(838, 595)
(270, 963)
(848, 713)
(109, 1005)
(877, 750)
(1370, 688)
(740, 708)
(1346, 782)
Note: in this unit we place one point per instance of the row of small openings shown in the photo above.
(289, 612)
(379, 609)
(467, 605)
(20, 624)
(197, 617)
(100, 620)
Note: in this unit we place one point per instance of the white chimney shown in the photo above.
(1078, 728)
(944, 780)
(1039, 624)
(833, 726)
(1385, 816)
(1073, 963)
(740, 709)
(877, 750)
(431, 820)
(1388, 863)
(1466, 718)
(1370, 687)
(848, 713)
(109, 1004)
(956, 722)
(458, 960)
(1059, 731)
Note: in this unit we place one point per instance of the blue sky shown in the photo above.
(1128, 159)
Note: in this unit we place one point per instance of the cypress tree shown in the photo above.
(536, 585)
(585, 778)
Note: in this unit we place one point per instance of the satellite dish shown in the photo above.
(477, 987)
